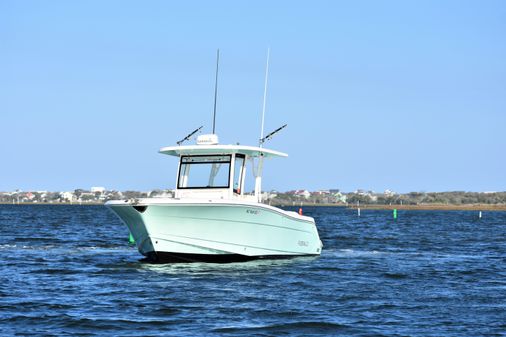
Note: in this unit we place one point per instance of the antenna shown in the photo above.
(189, 136)
(216, 88)
(269, 136)
(265, 96)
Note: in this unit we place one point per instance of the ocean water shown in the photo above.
(69, 270)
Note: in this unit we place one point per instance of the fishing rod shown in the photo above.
(189, 136)
(269, 136)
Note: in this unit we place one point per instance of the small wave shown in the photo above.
(299, 327)
(385, 306)
(68, 249)
(54, 271)
(113, 323)
(35, 305)
(165, 311)
(352, 253)
(395, 276)
(45, 247)
(69, 321)
(104, 249)
(38, 239)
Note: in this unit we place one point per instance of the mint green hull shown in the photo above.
(219, 229)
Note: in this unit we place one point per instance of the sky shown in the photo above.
(399, 95)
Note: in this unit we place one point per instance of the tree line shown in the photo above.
(412, 198)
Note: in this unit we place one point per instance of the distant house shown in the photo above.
(340, 197)
(98, 190)
(302, 193)
(368, 194)
(87, 196)
(389, 193)
(322, 192)
(67, 196)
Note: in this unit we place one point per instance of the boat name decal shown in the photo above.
(252, 211)
(303, 243)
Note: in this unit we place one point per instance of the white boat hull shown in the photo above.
(178, 230)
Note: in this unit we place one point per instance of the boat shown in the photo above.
(210, 217)
(213, 215)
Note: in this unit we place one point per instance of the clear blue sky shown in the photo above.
(404, 95)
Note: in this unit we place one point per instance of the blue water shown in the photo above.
(68, 270)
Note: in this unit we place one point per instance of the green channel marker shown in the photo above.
(131, 239)
(395, 213)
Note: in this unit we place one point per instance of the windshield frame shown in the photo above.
(196, 162)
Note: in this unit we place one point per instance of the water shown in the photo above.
(68, 270)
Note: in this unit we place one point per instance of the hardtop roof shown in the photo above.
(250, 151)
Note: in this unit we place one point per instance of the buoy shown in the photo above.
(395, 213)
(131, 239)
(300, 211)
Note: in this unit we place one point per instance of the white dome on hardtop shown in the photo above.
(209, 139)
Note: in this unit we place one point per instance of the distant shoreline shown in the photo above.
(55, 203)
(421, 207)
(437, 207)
(424, 207)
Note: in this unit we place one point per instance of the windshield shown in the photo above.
(204, 172)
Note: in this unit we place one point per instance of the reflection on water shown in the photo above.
(254, 266)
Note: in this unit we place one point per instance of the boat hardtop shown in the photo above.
(250, 151)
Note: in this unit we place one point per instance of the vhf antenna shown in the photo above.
(216, 88)
(189, 136)
(269, 136)
(265, 97)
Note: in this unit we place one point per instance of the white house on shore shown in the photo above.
(302, 193)
(67, 196)
(96, 189)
